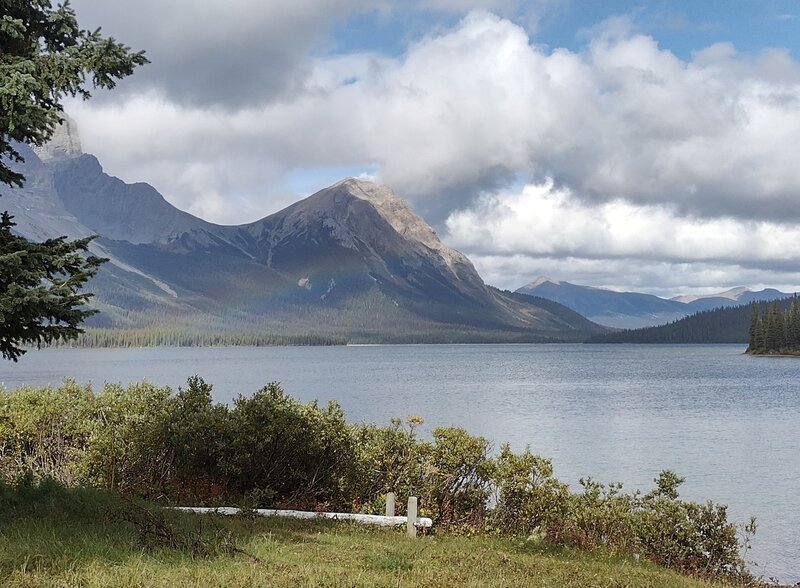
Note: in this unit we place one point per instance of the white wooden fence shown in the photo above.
(411, 520)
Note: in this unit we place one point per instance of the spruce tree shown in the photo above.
(40, 300)
(793, 322)
(45, 56)
(774, 328)
(754, 320)
(760, 335)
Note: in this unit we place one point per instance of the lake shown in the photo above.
(727, 422)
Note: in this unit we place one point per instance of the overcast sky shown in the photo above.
(633, 145)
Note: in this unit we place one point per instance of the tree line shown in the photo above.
(722, 325)
(178, 337)
(775, 330)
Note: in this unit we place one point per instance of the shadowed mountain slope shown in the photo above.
(352, 261)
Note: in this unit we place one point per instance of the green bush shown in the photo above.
(291, 453)
(126, 449)
(197, 436)
(688, 536)
(600, 516)
(46, 431)
(270, 450)
(390, 459)
(528, 499)
(459, 478)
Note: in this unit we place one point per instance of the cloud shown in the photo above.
(623, 119)
(547, 221)
(222, 52)
(524, 233)
(625, 131)
(660, 278)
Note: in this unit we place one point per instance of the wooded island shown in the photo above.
(775, 331)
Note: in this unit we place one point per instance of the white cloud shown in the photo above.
(625, 128)
(660, 278)
(226, 53)
(542, 229)
(624, 119)
(543, 220)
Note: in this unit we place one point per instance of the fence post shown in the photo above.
(390, 504)
(412, 516)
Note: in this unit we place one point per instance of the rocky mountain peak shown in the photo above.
(732, 294)
(397, 212)
(64, 144)
(542, 280)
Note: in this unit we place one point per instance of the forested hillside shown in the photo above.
(721, 325)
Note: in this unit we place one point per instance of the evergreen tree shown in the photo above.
(760, 335)
(45, 56)
(754, 320)
(773, 329)
(39, 283)
(793, 322)
(765, 327)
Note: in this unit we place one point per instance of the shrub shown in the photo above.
(197, 438)
(291, 452)
(528, 499)
(270, 450)
(126, 449)
(390, 459)
(458, 478)
(45, 431)
(600, 516)
(687, 536)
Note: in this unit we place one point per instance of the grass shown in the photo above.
(51, 537)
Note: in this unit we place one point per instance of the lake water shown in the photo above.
(727, 422)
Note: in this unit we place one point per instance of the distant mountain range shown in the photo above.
(352, 261)
(632, 310)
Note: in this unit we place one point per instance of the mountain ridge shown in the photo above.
(633, 310)
(351, 260)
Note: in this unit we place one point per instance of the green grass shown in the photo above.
(64, 538)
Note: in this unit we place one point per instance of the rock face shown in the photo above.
(64, 144)
(353, 260)
(361, 234)
(410, 225)
(109, 207)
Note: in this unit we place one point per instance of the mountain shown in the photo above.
(606, 307)
(732, 294)
(732, 297)
(352, 261)
(633, 310)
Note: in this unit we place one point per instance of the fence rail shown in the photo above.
(388, 520)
